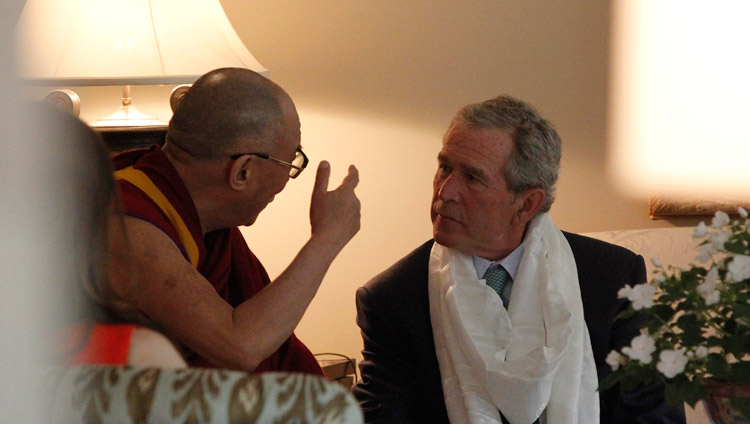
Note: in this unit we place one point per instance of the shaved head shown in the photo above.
(225, 110)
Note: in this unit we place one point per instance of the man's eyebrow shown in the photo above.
(472, 170)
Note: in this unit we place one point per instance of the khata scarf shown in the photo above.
(534, 357)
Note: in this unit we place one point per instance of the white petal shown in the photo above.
(720, 219)
(700, 230)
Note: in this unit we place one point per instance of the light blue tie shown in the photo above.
(496, 277)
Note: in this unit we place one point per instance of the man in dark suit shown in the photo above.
(494, 184)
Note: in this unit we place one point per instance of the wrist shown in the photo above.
(325, 246)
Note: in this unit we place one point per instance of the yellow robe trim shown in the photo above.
(144, 183)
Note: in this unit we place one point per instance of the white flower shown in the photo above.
(704, 252)
(701, 352)
(672, 362)
(713, 276)
(641, 347)
(719, 238)
(642, 296)
(712, 298)
(709, 284)
(707, 289)
(700, 230)
(720, 219)
(624, 293)
(656, 262)
(739, 267)
(742, 212)
(615, 359)
(658, 280)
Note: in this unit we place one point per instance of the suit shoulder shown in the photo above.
(410, 268)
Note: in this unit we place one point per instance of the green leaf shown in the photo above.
(609, 381)
(714, 341)
(738, 345)
(673, 395)
(691, 328)
(717, 366)
(680, 390)
(653, 326)
(627, 313)
(735, 246)
(693, 392)
(742, 309)
(664, 312)
(741, 372)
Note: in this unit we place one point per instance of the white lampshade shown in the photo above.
(679, 98)
(118, 42)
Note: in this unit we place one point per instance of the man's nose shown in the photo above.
(448, 188)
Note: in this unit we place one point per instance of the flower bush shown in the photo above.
(697, 326)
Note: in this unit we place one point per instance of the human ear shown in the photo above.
(239, 173)
(529, 203)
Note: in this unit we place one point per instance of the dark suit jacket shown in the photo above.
(400, 375)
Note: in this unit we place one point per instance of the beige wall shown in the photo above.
(376, 83)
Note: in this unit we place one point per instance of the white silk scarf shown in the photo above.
(531, 359)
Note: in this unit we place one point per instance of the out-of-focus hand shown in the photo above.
(335, 215)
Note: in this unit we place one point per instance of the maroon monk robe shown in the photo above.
(152, 190)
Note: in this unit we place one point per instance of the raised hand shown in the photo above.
(335, 215)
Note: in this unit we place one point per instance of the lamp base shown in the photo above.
(127, 115)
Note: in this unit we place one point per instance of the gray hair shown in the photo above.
(535, 158)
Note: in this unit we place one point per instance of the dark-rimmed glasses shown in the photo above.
(298, 164)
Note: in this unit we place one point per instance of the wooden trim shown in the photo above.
(691, 207)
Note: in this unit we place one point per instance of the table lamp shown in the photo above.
(126, 42)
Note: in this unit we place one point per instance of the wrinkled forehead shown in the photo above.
(479, 148)
(463, 134)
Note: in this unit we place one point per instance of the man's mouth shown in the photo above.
(443, 215)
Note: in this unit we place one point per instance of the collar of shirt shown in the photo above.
(510, 263)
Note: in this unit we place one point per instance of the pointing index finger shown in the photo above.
(321, 179)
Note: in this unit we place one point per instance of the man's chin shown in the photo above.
(441, 237)
(252, 221)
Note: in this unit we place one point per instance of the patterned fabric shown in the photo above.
(496, 277)
(121, 394)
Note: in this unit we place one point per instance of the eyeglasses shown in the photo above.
(298, 164)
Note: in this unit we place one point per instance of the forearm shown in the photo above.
(267, 319)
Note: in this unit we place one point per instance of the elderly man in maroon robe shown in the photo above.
(232, 145)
